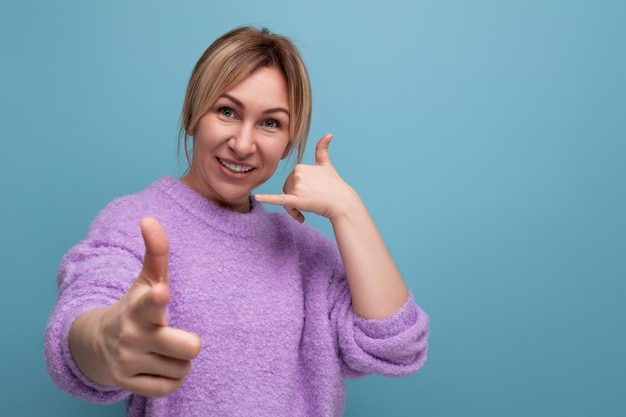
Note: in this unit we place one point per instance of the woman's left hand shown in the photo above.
(376, 286)
(314, 188)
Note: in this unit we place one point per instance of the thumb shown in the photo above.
(322, 157)
(157, 252)
(150, 307)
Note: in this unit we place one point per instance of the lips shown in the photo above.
(237, 169)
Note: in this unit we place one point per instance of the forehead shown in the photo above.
(266, 86)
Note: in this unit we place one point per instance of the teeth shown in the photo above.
(235, 168)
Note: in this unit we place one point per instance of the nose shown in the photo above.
(242, 141)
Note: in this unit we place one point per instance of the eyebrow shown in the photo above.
(240, 104)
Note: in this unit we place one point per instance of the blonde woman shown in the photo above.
(190, 299)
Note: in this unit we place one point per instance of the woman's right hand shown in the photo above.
(129, 345)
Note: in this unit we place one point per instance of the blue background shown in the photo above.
(488, 139)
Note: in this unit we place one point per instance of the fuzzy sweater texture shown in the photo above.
(267, 296)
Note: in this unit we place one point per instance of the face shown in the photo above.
(239, 142)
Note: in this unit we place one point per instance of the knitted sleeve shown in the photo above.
(93, 274)
(394, 346)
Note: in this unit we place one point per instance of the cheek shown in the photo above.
(272, 156)
(284, 147)
(206, 140)
(286, 150)
(281, 151)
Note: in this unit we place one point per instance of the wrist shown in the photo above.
(88, 346)
(348, 208)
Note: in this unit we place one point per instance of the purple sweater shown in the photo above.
(266, 295)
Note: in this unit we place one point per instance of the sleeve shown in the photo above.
(395, 346)
(93, 274)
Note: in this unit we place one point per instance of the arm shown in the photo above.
(127, 344)
(376, 286)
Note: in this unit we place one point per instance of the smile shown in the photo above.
(235, 168)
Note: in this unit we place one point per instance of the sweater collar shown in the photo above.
(254, 223)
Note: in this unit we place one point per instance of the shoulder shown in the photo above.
(124, 213)
(281, 221)
(311, 244)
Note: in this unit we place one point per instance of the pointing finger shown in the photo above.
(286, 200)
(177, 344)
(276, 199)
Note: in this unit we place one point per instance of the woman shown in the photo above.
(188, 298)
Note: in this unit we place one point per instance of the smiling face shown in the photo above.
(239, 142)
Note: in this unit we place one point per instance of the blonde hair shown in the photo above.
(231, 59)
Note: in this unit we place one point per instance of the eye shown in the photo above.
(271, 123)
(226, 112)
